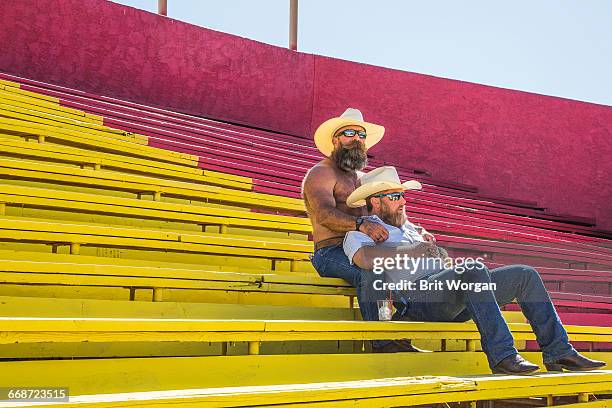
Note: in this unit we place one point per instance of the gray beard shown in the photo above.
(350, 159)
(396, 219)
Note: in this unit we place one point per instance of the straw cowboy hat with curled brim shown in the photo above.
(377, 180)
(326, 131)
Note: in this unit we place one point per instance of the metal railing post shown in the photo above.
(293, 25)
(162, 7)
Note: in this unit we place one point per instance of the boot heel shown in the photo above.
(554, 367)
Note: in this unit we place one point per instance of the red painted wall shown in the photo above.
(107, 48)
(508, 143)
(555, 151)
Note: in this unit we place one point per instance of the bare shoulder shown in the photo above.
(322, 172)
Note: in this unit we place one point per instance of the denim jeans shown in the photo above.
(332, 262)
(520, 282)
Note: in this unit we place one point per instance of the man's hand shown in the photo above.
(374, 230)
(428, 237)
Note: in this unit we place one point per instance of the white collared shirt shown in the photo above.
(355, 240)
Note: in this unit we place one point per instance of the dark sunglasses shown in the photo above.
(392, 196)
(351, 133)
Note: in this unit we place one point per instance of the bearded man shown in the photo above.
(436, 296)
(344, 141)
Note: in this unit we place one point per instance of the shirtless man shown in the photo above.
(344, 141)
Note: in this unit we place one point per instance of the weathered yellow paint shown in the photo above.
(38, 105)
(254, 347)
(192, 283)
(250, 297)
(129, 182)
(231, 381)
(158, 295)
(40, 117)
(104, 236)
(86, 308)
(218, 174)
(25, 256)
(4, 83)
(16, 88)
(168, 262)
(75, 248)
(120, 143)
(69, 155)
(32, 330)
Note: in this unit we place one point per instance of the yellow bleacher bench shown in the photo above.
(16, 87)
(371, 391)
(21, 99)
(76, 235)
(35, 330)
(123, 143)
(161, 279)
(11, 110)
(137, 184)
(68, 201)
(5, 83)
(85, 158)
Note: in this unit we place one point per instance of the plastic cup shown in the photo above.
(385, 310)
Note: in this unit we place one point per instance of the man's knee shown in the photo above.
(528, 273)
(475, 272)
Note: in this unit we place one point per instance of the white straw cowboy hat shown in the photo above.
(325, 132)
(377, 180)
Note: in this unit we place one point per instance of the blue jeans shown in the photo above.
(332, 262)
(520, 282)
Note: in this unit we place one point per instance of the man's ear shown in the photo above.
(375, 204)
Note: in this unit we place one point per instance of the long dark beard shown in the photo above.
(397, 219)
(350, 158)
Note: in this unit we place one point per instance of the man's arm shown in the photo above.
(427, 236)
(319, 191)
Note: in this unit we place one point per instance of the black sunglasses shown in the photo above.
(392, 196)
(351, 133)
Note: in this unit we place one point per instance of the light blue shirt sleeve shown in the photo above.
(355, 240)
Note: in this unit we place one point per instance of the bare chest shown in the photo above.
(343, 188)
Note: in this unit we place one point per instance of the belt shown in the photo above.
(327, 243)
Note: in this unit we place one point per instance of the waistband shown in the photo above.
(327, 243)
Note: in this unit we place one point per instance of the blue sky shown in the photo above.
(551, 47)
